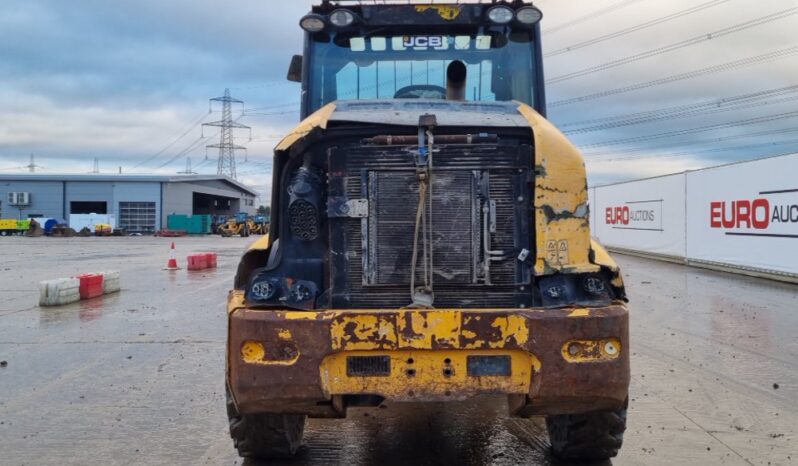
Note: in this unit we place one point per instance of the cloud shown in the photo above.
(122, 80)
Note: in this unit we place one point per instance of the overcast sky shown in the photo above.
(122, 80)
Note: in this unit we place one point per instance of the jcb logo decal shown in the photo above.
(423, 41)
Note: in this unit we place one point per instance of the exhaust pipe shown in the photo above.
(456, 75)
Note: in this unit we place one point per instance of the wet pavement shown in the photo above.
(137, 377)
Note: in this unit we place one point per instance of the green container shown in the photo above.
(200, 225)
(194, 225)
(23, 225)
(177, 222)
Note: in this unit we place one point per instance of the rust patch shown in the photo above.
(435, 330)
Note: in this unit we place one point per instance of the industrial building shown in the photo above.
(140, 203)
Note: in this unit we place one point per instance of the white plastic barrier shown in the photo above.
(59, 292)
(79, 221)
(111, 282)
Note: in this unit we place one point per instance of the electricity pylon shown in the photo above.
(227, 146)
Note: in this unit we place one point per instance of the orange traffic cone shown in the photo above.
(172, 264)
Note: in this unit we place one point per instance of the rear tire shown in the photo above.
(592, 436)
(265, 436)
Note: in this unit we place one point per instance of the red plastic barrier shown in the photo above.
(197, 262)
(91, 285)
(212, 259)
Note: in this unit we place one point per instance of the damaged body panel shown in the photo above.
(428, 353)
(370, 177)
(430, 236)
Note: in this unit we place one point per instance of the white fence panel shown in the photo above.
(645, 215)
(745, 214)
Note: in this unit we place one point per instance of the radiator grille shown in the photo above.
(375, 252)
(394, 198)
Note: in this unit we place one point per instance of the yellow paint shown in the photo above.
(235, 301)
(284, 334)
(560, 191)
(363, 332)
(447, 12)
(261, 244)
(290, 315)
(253, 352)
(421, 329)
(8, 224)
(580, 313)
(428, 381)
(602, 257)
(591, 350)
(317, 120)
(512, 327)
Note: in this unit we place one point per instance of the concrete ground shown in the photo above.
(137, 377)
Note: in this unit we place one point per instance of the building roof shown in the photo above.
(141, 178)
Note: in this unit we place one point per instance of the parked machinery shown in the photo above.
(430, 242)
(238, 225)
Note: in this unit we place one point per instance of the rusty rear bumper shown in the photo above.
(561, 361)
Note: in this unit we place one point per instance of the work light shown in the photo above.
(501, 14)
(342, 18)
(529, 15)
(312, 23)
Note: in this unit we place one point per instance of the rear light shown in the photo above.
(501, 14)
(586, 351)
(342, 18)
(529, 15)
(312, 23)
(303, 218)
(265, 289)
(564, 290)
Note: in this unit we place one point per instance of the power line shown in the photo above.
(591, 16)
(700, 129)
(676, 46)
(669, 110)
(749, 61)
(709, 151)
(745, 102)
(634, 150)
(639, 27)
(272, 107)
(194, 145)
(286, 112)
(168, 146)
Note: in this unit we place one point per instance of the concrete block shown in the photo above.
(59, 292)
(91, 285)
(111, 283)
